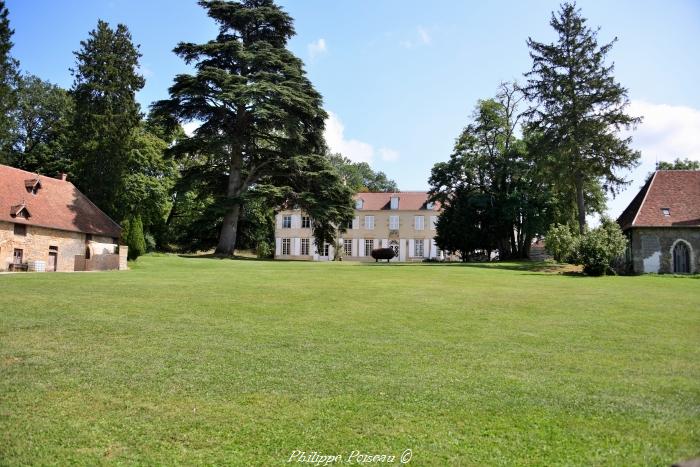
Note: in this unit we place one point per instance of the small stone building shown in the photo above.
(46, 224)
(663, 224)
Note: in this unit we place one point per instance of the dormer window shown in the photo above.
(429, 205)
(359, 203)
(32, 185)
(20, 211)
(666, 212)
(394, 202)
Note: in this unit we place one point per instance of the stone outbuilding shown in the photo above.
(46, 224)
(663, 224)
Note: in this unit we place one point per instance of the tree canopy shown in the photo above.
(8, 77)
(360, 177)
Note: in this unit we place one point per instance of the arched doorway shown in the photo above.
(681, 258)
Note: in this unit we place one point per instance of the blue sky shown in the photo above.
(400, 78)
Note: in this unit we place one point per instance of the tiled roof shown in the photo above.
(57, 204)
(408, 201)
(670, 198)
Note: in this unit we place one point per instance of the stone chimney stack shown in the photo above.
(63, 176)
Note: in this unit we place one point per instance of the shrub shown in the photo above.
(134, 237)
(263, 250)
(562, 243)
(600, 249)
(383, 253)
(150, 242)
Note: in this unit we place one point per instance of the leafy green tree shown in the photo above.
(360, 177)
(599, 249)
(579, 109)
(562, 243)
(41, 126)
(262, 121)
(107, 116)
(679, 164)
(8, 80)
(491, 177)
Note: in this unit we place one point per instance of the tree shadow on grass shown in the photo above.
(523, 266)
(222, 257)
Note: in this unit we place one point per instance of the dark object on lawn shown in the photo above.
(383, 253)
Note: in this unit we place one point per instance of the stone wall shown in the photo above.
(39, 241)
(652, 248)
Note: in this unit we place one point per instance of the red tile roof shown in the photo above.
(675, 190)
(408, 201)
(57, 204)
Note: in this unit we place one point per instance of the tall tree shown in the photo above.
(41, 127)
(107, 115)
(262, 121)
(360, 177)
(579, 109)
(491, 183)
(679, 164)
(8, 79)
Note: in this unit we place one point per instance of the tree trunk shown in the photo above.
(229, 228)
(581, 204)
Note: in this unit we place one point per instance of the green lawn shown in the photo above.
(183, 361)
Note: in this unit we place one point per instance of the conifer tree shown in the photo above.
(579, 110)
(8, 80)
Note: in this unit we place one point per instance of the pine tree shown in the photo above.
(106, 113)
(8, 80)
(579, 110)
(262, 121)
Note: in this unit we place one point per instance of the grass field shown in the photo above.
(189, 360)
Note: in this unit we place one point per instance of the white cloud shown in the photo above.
(317, 48)
(424, 36)
(388, 155)
(355, 150)
(666, 132)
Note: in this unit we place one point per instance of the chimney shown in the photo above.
(63, 176)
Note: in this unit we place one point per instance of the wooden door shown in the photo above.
(681, 258)
(53, 260)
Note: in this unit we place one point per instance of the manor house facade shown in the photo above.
(404, 221)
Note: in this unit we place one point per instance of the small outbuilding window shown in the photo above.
(21, 230)
(666, 212)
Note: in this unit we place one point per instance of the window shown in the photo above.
(418, 248)
(304, 246)
(287, 222)
(369, 222)
(429, 205)
(21, 230)
(369, 246)
(286, 246)
(305, 222)
(393, 222)
(358, 204)
(17, 256)
(419, 222)
(347, 246)
(326, 249)
(433, 222)
(394, 202)
(666, 212)
(350, 223)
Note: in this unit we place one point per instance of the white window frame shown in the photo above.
(305, 246)
(286, 222)
(419, 222)
(418, 252)
(394, 223)
(394, 202)
(369, 246)
(369, 222)
(358, 203)
(347, 246)
(286, 246)
(305, 222)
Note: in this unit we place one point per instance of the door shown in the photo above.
(52, 261)
(17, 256)
(681, 258)
(394, 245)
